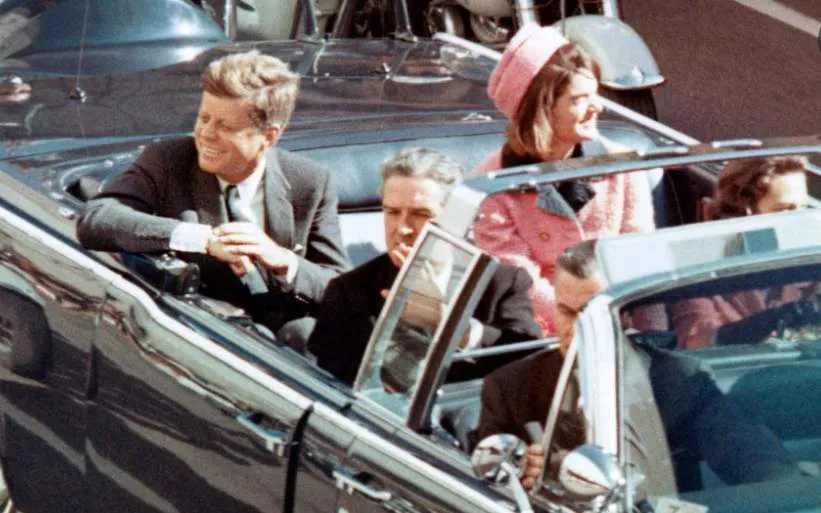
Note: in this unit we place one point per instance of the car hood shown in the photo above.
(375, 82)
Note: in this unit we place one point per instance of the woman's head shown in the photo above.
(548, 87)
(760, 186)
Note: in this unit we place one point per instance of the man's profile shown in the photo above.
(261, 222)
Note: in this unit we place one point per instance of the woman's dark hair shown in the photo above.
(742, 184)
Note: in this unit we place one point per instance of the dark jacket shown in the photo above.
(138, 210)
(353, 301)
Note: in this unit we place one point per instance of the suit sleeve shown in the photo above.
(325, 255)
(495, 231)
(123, 217)
(337, 340)
(638, 204)
(513, 320)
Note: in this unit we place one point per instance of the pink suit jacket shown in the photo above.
(514, 229)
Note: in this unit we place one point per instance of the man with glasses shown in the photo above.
(261, 222)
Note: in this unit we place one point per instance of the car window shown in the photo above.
(418, 323)
(737, 381)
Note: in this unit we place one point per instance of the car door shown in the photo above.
(180, 419)
(50, 296)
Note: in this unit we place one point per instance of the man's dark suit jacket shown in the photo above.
(353, 301)
(697, 417)
(138, 210)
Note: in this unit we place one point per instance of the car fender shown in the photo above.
(624, 58)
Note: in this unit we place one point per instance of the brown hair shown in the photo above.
(742, 183)
(262, 80)
(530, 133)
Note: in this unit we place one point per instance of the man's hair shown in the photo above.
(530, 132)
(422, 163)
(742, 183)
(262, 80)
(579, 260)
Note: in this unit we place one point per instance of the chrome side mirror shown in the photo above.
(500, 459)
(587, 473)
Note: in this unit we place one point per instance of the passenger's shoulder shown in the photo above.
(534, 368)
(369, 272)
(299, 166)
(179, 146)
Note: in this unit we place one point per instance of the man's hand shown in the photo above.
(248, 240)
(533, 465)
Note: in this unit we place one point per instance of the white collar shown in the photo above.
(248, 187)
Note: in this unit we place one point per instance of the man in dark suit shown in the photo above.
(261, 222)
(697, 417)
(415, 184)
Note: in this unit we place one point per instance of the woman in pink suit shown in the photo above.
(548, 88)
(748, 187)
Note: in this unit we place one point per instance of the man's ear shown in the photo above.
(272, 134)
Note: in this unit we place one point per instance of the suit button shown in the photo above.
(544, 236)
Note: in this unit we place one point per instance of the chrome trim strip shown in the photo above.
(549, 342)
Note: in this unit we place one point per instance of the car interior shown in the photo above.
(774, 380)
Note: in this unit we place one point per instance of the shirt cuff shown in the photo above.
(190, 237)
(477, 329)
(287, 280)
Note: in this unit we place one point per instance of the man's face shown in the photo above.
(228, 143)
(571, 295)
(408, 203)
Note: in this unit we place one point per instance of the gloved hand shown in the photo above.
(758, 327)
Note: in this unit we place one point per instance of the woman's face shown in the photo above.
(575, 113)
(786, 192)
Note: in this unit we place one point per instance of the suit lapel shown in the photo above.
(278, 205)
(207, 197)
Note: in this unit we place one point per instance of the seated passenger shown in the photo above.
(548, 88)
(748, 187)
(695, 413)
(261, 222)
(415, 184)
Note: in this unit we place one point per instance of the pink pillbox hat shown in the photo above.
(524, 56)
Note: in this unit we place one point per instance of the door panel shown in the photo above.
(179, 423)
(328, 436)
(51, 295)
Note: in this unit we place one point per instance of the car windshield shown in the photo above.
(736, 380)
